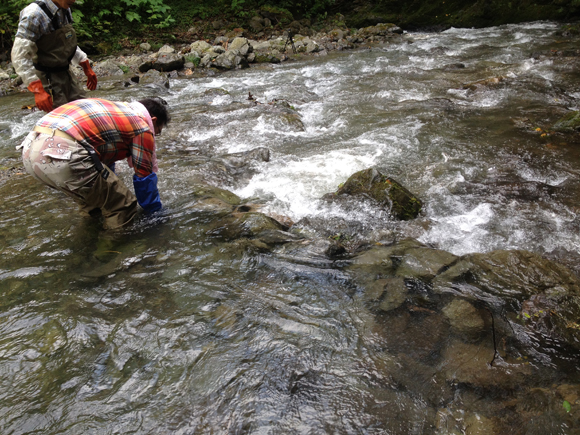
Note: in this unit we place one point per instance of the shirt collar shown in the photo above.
(51, 6)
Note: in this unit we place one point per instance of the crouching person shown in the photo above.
(73, 149)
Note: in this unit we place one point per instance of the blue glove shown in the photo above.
(112, 167)
(147, 193)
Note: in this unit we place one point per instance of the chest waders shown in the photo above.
(55, 52)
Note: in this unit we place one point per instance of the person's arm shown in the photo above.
(145, 180)
(23, 54)
(80, 58)
(24, 49)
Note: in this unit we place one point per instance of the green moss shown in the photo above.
(385, 190)
(195, 60)
(569, 122)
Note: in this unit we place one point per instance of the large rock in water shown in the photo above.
(537, 295)
(390, 194)
(570, 122)
(165, 62)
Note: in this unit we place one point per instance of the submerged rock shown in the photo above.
(470, 364)
(201, 191)
(514, 275)
(570, 122)
(391, 195)
(541, 297)
(238, 225)
(464, 318)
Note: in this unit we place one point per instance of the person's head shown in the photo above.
(157, 108)
(64, 4)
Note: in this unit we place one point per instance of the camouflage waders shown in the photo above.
(55, 52)
(64, 165)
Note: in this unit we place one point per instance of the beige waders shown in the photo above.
(60, 162)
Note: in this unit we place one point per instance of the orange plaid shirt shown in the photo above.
(114, 129)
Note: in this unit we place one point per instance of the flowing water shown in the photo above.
(166, 328)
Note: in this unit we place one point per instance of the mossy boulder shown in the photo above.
(239, 225)
(202, 191)
(570, 122)
(389, 193)
(381, 29)
(541, 296)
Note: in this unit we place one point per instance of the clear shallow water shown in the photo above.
(166, 329)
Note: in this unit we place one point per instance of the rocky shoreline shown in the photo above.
(231, 51)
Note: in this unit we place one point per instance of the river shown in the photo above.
(165, 328)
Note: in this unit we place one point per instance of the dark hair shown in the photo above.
(157, 107)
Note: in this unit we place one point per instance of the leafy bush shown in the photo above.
(9, 15)
(195, 60)
(97, 17)
(93, 18)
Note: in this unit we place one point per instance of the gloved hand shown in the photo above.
(91, 76)
(147, 193)
(41, 97)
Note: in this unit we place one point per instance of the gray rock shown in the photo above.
(242, 45)
(464, 318)
(470, 364)
(218, 49)
(168, 62)
(107, 68)
(261, 46)
(220, 40)
(238, 160)
(225, 60)
(382, 29)
(238, 225)
(201, 191)
(154, 77)
(145, 46)
(4, 75)
(424, 263)
(395, 293)
(166, 49)
(200, 47)
(336, 34)
(207, 60)
(499, 273)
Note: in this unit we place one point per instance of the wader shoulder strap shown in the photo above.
(52, 17)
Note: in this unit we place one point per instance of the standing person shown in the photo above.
(44, 47)
(72, 149)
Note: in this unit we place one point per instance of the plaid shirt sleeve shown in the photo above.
(142, 148)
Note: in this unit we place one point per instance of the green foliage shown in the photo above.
(9, 15)
(194, 60)
(567, 406)
(97, 17)
(94, 18)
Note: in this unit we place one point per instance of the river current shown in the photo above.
(165, 329)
